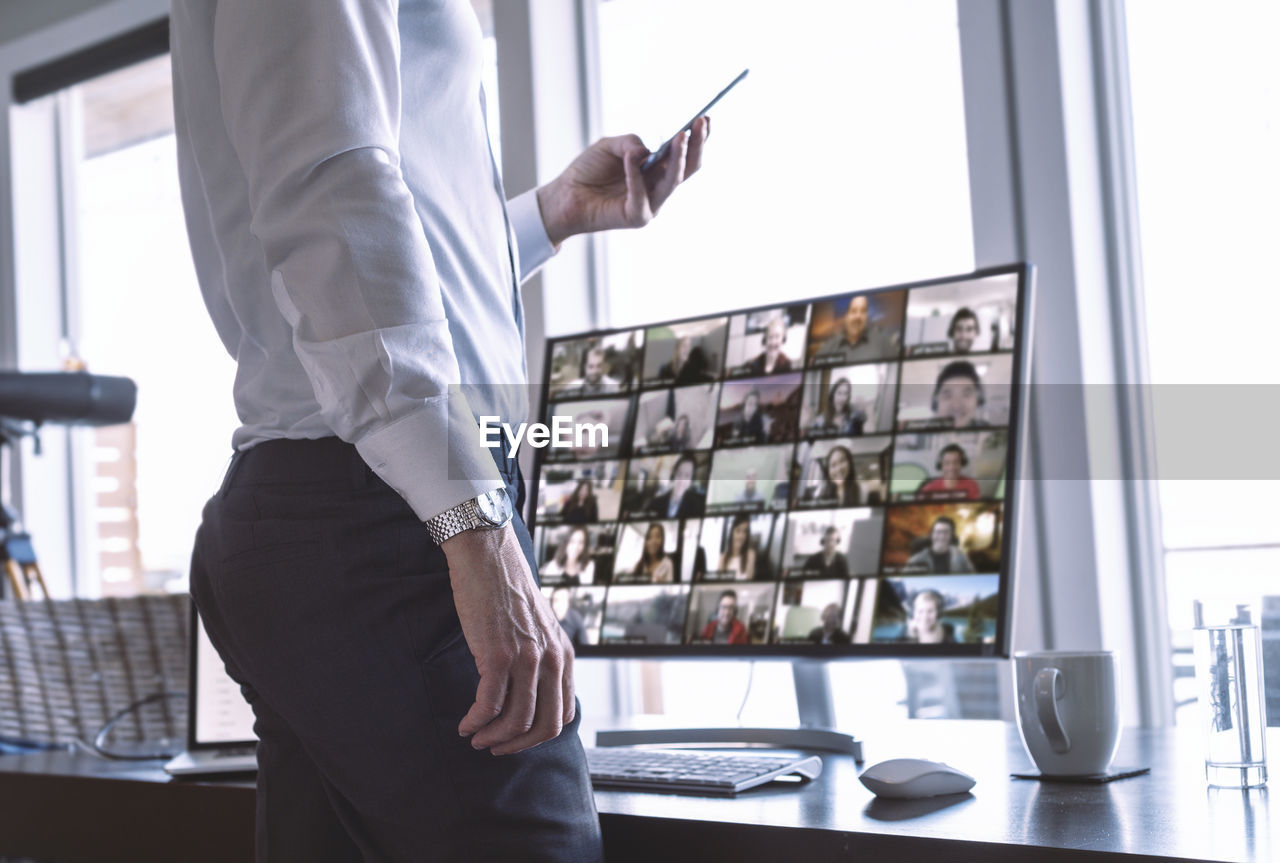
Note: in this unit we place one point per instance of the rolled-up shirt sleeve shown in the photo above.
(310, 95)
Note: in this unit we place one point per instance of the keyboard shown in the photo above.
(667, 770)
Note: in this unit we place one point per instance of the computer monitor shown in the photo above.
(824, 478)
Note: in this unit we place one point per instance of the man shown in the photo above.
(958, 395)
(361, 571)
(828, 563)
(681, 499)
(725, 628)
(952, 484)
(857, 341)
(943, 554)
(963, 331)
(594, 382)
(829, 632)
(749, 494)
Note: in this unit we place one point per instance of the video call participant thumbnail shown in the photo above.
(842, 472)
(581, 506)
(645, 614)
(766, 342)
(833, 543)
(957, 609)
(580, 493)
(603, 366)
(962, 318)
(955, 393)
(651, 552)
(739, 558)
(682, 498)
(666, 486)
(588, 441)
(738, 615)
(575, 554)
(687, 353)
(849, 400)
(595, 381)
(580, 611)
(943, 538)
(753, 412)
(751, 479)
(741, 547)
(862, 328)
(673, 420)
(942, 552)
(811, 612)
(949, 466)
(829, 562)
(951, 483)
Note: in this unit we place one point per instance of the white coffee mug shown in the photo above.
(1068, 710)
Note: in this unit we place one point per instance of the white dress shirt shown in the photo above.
(349, 229)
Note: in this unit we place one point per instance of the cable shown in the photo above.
(751, 673)
(98, 746)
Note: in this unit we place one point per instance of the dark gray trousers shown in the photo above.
(332, 608)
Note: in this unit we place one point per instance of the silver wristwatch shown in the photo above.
(489, 511)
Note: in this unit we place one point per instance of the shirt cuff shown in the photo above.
(409, 456)
(531, 232)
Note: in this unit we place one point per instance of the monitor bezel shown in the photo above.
(1012, 503)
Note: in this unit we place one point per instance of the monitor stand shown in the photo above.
(817, 718)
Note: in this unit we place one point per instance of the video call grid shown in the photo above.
(856, 587)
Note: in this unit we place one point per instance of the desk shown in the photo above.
(127, 812)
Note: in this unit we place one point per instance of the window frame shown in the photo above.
(1051, 167)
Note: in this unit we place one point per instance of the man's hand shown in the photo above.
(604, 188)
(525, 661)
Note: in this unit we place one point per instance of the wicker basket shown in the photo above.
(68, 666)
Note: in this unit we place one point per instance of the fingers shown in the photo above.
(550, 713)
(673, 167)
(620, 145)
(490, 696)
(701, 131)
(519, 646)
(518, 711)
(537, 704)
(566, 684)
(636, 209)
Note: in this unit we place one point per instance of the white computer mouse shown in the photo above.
(914, 777)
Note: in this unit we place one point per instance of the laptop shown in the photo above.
(220, 736)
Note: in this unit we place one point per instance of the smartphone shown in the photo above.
(656, 155)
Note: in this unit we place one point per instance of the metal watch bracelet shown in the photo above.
(453, 521)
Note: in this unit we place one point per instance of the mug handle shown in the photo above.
(1049, 686)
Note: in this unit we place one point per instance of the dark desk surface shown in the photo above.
(70, 807)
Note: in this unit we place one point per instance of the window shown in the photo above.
(1206, 115)
(840, 162)
(131, 306)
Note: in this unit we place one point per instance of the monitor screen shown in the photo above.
(827, 478)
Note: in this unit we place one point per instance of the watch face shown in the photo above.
(494, 507)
